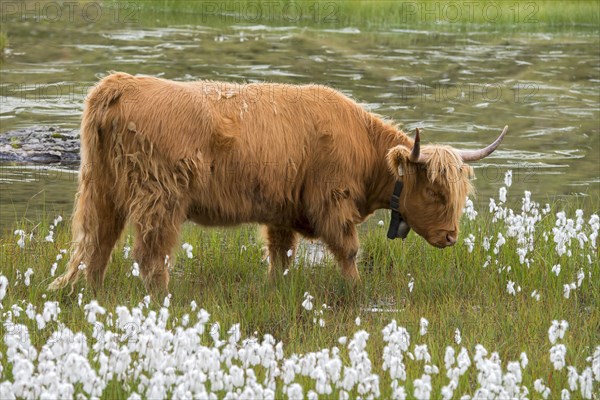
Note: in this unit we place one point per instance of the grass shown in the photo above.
(3, 43)
(453, 289)
(511, 15)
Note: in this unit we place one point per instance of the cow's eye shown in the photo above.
(431, 193)
(436, 196)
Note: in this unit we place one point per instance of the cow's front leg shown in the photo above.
(344, 246)
(281, 244)
(157, 234)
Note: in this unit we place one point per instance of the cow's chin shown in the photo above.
(438, 244)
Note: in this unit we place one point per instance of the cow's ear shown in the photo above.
(397, 160)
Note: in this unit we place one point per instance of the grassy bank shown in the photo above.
(3, 43)
(498, 14)
(516, 269)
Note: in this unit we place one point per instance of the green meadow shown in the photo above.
(502, 15)
(511, 311)
(479, 292)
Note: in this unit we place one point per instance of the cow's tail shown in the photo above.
(96, 224)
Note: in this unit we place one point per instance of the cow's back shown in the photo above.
(253, 152)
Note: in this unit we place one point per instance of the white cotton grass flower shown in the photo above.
(536, 295)
(557, 330)
(3, 286)
(524, 360)
(539, 387)
(30, 311)
(449, 357)
(397, 343)
(421, 352)
(188, 250)
(398, 392)
(470, 242)
(21, 241)
(457, 337)
(307, 302)
(499, 243)
(510, 288)
(50, 237)
(568, 230)
(486, 244)
(567, 287)
(295, 392)
(215, 332)
(126, 251)
(586, 383)
(595, 360)
(381, 223)
(53, 269)
(27, 275)
(508, 178)
(572, 378)
(57, 220)
(423, 324)
(469, 210)
(422, 387)
(135, 269)
(556, 269)
(50, 313)
(492, 206)
(594, 223)
(502, 195)
(91, 309)
(557, 356)
(411, 284)
(580, 277)
(357, 321)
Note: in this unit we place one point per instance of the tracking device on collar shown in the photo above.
(398, 227)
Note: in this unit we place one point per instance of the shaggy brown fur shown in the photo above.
(298, 159)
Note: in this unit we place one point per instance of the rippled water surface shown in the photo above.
(462, 87)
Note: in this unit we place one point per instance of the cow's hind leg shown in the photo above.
(281, 244)
(97, 224)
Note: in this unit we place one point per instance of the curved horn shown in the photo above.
(416, 150)
(474, 155)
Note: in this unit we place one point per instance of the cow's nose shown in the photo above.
(450, 239)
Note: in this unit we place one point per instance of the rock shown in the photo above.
(40, 145)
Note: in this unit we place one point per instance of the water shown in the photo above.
(461, 86)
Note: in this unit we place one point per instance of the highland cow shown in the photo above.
(299, 160)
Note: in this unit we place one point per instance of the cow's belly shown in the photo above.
(214, 215)
(211, 215)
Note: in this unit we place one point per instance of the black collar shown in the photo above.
(398, 227)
